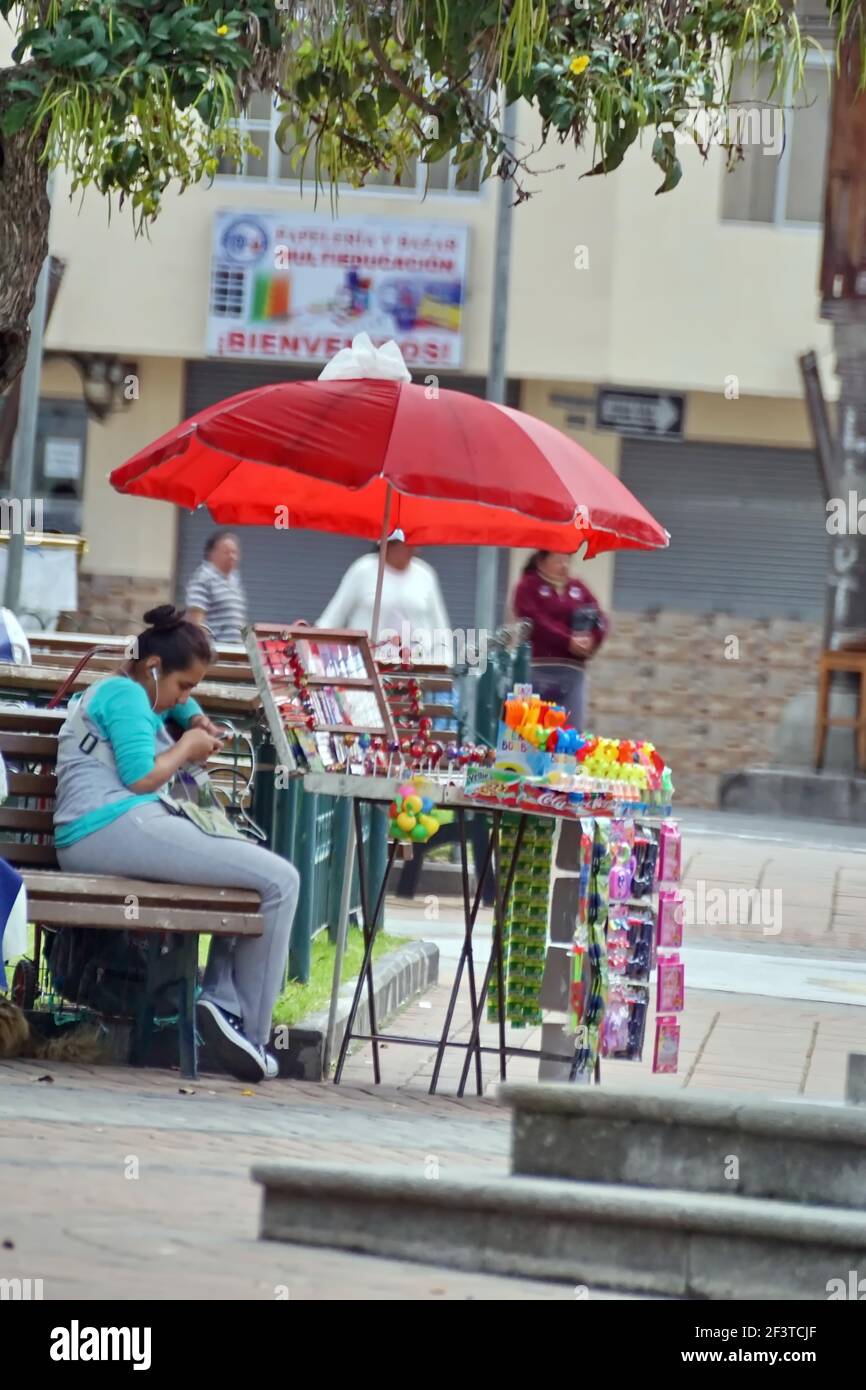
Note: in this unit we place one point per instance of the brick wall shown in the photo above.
(114, 603)
(666, 677)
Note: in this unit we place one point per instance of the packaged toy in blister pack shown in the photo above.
(579, 988)
(586, 1052)
(587, 831)
(630, 943)
(624, 1023)
(622, 859)
(670, 865)
(599, 979)
(666, 1052)
(671, 913)
(599, 887)
(670, 991)
(646, 850)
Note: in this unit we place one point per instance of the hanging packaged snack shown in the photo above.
(666, 1052)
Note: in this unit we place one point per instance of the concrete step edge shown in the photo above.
(557, 1199)
(769, 1118)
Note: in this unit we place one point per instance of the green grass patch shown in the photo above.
(298, 1000)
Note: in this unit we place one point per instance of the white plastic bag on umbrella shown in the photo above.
(362, 359)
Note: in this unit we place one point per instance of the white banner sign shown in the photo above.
(297, 288)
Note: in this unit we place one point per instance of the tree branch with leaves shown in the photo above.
(137, 97)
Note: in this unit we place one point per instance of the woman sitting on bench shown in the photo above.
(115, 757)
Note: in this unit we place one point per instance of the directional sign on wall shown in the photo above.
(647, 413)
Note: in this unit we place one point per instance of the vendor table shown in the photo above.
(383, 790)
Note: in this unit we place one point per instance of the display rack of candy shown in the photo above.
(525, 925)
(321, 694)
(542, 761)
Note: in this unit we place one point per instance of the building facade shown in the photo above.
(701, 299)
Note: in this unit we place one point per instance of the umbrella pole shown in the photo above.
(377, 602)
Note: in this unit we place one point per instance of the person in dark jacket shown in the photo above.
(568, 627)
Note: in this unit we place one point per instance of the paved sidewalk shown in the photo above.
(117, 1186)
(776, 923)
(728, 1042)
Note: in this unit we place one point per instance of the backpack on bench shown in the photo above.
(106, 971)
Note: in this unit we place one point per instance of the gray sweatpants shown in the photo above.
(245, 974)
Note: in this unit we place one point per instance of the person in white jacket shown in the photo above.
(412, 617)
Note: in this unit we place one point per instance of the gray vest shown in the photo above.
(87, 776)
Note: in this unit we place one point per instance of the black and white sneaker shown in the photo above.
(224, 1035)
(271, 1065)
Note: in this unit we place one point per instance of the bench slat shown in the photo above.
(15, 818)
(211, 695)
(30, 720)
(35, 746)
(20, 855)
(114, 889)
(32, 784)
(225, 673)
(77, 643)
(110, 916)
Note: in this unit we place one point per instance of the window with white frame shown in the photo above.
(780, 179)
(272, 166)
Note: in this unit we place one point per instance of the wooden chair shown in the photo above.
(852, 663)
(172, 916)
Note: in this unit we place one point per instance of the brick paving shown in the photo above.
(118, 1185)
(728, 1042)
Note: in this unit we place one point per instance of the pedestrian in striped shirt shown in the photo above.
(215, 598)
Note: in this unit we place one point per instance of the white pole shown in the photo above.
(383, 546)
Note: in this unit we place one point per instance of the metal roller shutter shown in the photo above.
(292, 574)
(748, 531)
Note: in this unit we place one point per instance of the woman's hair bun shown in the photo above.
(165, 617)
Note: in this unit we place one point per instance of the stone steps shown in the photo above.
(671, 1243)
(779, 1150)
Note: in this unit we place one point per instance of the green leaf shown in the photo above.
(367, 112)
(16, 116)
(97, 62)
(433, 51)
(66, 52)
(387, 98)
(25, 84)
(672, 177)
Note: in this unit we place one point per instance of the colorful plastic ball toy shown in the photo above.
(413, 817)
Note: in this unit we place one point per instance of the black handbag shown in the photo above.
(587, 619)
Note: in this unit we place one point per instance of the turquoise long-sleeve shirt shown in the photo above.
(89, 796)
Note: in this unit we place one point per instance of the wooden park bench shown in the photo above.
(170, 916)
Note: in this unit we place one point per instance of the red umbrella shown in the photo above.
(454, 469)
